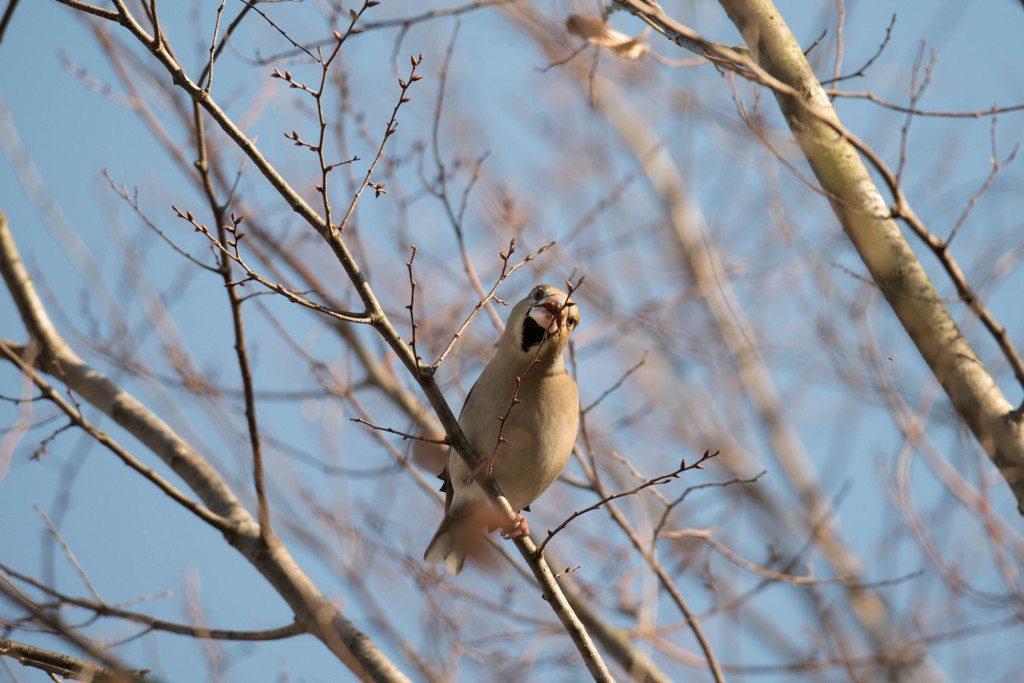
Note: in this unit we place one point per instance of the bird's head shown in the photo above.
(546, 314)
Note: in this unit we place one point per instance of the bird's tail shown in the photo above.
(461, 534)
(444, 547)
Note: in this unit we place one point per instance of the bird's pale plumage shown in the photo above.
(538, 434)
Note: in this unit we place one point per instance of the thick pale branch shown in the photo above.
(868, 223)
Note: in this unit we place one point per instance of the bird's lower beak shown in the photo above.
(553, 311)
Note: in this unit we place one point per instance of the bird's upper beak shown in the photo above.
(550, 310)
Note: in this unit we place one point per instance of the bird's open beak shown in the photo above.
(550, 311)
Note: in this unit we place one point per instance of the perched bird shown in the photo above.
(537, 430)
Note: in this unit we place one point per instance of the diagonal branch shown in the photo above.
(238, 326)
(832, 152)
(322, 612)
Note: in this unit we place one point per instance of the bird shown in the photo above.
(521, 418)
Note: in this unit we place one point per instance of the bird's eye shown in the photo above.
(571, 322)
(537, 294)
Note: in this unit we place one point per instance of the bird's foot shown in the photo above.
(518, 530)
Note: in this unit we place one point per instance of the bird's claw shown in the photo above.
(518, 530)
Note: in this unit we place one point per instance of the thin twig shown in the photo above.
(404, 435)
(213, 49)
(390, 130)
(412, 304)
(69, 554)
(237, 322)
(622, 380)
(705, 535)
(506, 271)
(817, 41)
(102, 609)
(863, 70)
(223, 43)
(132, 200)
(656, 481)
(916, 91)
(997, 166)
(690, 489)
(976, 114)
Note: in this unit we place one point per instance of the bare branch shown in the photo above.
(656, 481)
(65, 666)
(862, 71)
(622, 380)
(107, 14)
(102, 609)
(69, 554)
(412, 304)
(976, 114)
(389, 430)
(997, 166)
